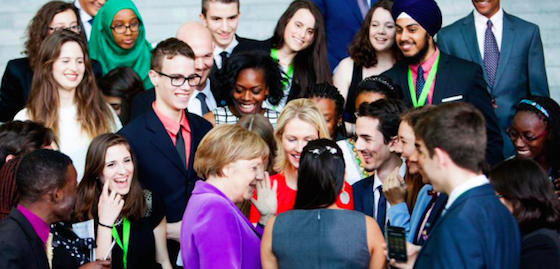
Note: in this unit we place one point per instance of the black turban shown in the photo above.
(425, 12)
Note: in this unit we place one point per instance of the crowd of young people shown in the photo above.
(209, 150)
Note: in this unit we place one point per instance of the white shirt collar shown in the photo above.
(377, 180)
(466, 186)
(229, 50)
(85, 18)
(496, 19)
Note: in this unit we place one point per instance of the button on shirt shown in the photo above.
(497, 28)
(229, 50)
(376, 194)
(194, 104)
(172, 128)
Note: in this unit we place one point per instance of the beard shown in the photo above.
(418, 57)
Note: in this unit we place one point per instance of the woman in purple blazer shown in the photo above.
(214, 233)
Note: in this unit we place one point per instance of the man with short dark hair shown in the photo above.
(46, 182)
(429, 76)
(510, 52)
(475, 230)
(164, 139)
(376, 127)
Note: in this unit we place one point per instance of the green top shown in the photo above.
(102, 45)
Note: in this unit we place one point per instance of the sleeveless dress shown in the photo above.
(321, 238)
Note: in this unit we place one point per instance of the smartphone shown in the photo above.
(396, 243)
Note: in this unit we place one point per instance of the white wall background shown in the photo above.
(163, 17)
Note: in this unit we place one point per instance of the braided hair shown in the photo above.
(328, 91)
(552, 122)
(9, 195)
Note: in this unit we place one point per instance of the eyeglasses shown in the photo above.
(514, 135)
(74, 28)
(178, 81)
(121, 28)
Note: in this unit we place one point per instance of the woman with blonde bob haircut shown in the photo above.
(232, 161)
(301, 121)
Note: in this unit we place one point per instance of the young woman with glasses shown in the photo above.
(535, 133)
(118, 38)
(16, 82)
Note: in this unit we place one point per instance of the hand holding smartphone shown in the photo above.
(396, 243)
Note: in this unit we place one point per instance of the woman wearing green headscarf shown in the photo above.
(118, 38)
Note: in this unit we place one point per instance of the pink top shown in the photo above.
(39, 225)
(427, 66)
(172, 128)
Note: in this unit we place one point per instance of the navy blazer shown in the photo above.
(477, 231)
(343, 19)
(159, 166)
(16, 86)
(363, 196)
(20, 246)
(521, 69)
(463, 81)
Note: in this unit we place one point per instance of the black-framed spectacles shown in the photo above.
(514, 135)
(121, 28)
(74, 28)
(178, 81)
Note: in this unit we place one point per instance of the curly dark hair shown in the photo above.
(552, 143)
(257, 60)
(524, 184)
(38, 28)
(360, 50)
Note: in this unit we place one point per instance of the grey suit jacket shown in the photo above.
(521, 69)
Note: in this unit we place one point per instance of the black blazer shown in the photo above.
(16, 86)
(20, 246)
(463, 80)
(245, 44)
(141, 103)
(159, 166)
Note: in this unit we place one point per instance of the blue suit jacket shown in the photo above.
(342, 19)
(477, 231)
(159, 166)
(397, 215)
(521, 69)
(457, 78)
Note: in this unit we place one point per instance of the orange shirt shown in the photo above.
(172, 128)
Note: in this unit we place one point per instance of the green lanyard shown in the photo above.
(427, 87)
(126, 238)
(289, 73)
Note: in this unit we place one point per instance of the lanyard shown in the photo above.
(427, 87)
(289, 73)
(126, 238)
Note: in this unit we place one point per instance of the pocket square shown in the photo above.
(452, 98)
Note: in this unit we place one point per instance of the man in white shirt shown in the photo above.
(475, 230)
(88, 10)
(510, 52)
(376, 127)
(200, 40)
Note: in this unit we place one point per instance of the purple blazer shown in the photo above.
(215, 234)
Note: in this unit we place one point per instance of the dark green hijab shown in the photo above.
(102, 45)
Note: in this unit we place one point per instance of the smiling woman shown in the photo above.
(118, 38)
(111, 195)
(249, 78)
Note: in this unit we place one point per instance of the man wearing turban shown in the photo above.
(428, 76)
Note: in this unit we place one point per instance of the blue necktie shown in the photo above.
(420, 81)
(491, 54)
(381, 209)
(203, 106)
(364, 7)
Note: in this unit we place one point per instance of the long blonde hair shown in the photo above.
(44, 101)
(305, 110)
